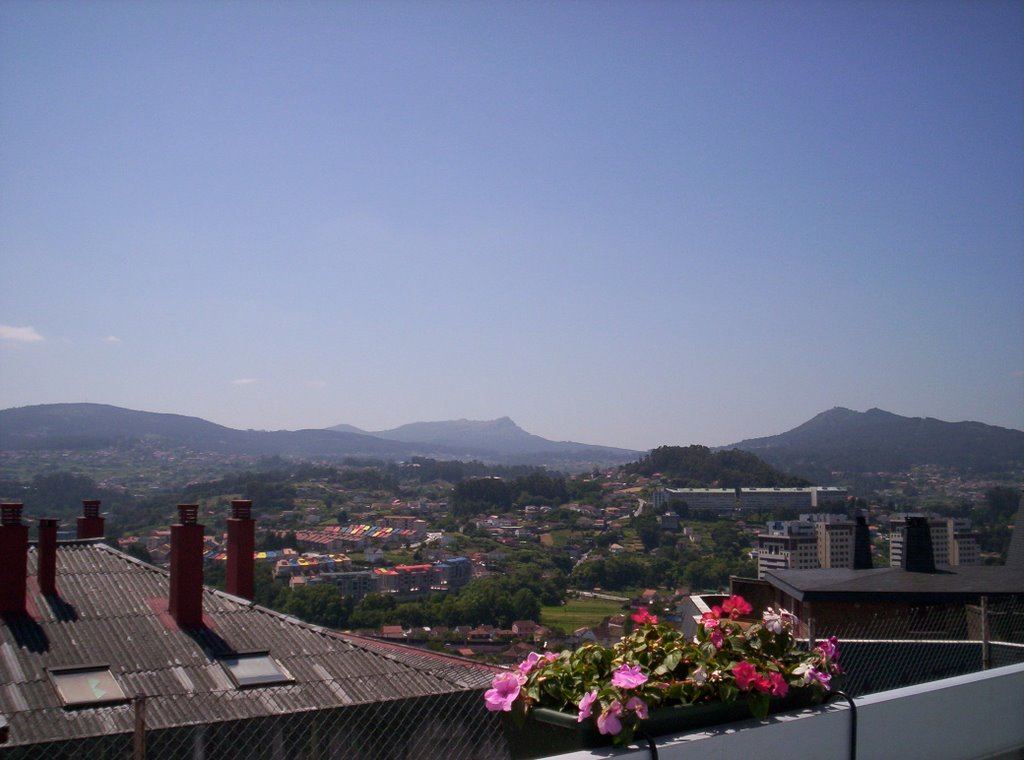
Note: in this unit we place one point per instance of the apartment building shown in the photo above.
(726, 500)
(789, 498)
(787, 545)
(812, 542)
(702, 499)
(835, 543)
(953, 542)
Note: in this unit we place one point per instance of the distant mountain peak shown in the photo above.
(843, 440)
(92, 426)
(347, 429)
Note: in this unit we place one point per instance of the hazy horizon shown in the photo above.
(619, 224)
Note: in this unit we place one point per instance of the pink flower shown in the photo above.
(777, 621)
(637, 705)
(820, 676)
(717, 638)
(772, 620)
(585, 706)
(778, 686)
(736, 606)
(628, 677)
(528, 664)
(746, 675)
(709, 620)
(503, 692)
(812, 675)
(829, 648)
(608, 722)
(645, 616)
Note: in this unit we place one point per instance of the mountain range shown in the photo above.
(96, 426)
(498, 437)
(843, 440)
(838, 440)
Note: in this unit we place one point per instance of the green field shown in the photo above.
(578, 613)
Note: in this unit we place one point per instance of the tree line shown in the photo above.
(700, 467)
(497, 599)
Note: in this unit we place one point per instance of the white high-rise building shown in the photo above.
(814, 541)
(953, 541)
(787, 545)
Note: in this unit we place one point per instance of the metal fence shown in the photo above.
(884, 651)
(451, 726)
(878, 653)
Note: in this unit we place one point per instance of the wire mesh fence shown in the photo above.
(879, 651)
(450, 726)
(883, 650)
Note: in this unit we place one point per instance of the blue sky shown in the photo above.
(629, 224)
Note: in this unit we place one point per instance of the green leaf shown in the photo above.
(728, 693)
(671, 661)
(759, 705)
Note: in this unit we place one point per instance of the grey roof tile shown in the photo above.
(107, 613)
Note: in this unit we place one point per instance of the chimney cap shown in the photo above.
(91, 507)
(48, 522)
(188, 514)
(10, 512)
(241, 509)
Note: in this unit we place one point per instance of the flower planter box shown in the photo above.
(732, 670)
(552, 732)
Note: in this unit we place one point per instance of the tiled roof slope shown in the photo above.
(109, 612)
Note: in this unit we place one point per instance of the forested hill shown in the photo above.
(842, 440)
(700, 467)
(90, 427)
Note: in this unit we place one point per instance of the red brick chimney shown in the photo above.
(46, 559)
(185, 602)
(241, 543)
(90, 524)
(13, 559)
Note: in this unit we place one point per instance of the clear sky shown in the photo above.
(620, 223)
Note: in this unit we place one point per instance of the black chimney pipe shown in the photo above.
(861, 545)
(918, 556)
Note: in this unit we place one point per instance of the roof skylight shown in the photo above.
(86, 685)
(249, 669)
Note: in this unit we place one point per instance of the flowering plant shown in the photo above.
(656, 665)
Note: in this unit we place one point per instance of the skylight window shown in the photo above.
(86, 686)
(249, 669)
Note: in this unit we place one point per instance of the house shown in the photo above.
(524, 629)
(647, 599)
(516, 653)
(669, 521)
(100, 651)
(481, 633)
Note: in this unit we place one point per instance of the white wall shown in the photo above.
(964, 718)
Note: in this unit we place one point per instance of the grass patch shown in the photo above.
(556, 538)
(579, 613)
